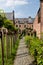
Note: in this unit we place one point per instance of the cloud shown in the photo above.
(2, 0)
(22, 2)
(12, 3)
(16, 2)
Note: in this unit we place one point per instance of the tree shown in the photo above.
(2, 43)
(1, 21)
(8, 24)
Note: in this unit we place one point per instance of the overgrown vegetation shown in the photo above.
(10, 41)
(11, 57)
(35, 47)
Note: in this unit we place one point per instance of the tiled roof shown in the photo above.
(24, 20)
(8, 15)
(38, 11)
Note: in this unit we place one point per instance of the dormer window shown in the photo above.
(16, 21)
(19, 25)
(26, 21)
(32, 26)
(24, 26)
(16, 25)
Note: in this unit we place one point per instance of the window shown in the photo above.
(24, 25)
(32, 26)
(38, 19)
(26, 21)
(16, 25)
(19, 25)
(16, 21)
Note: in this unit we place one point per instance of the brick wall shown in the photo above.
(23, 25)
(36, 26)
(41, 5)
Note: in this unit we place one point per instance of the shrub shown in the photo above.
(35, 46)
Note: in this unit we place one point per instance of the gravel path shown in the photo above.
(23, 57)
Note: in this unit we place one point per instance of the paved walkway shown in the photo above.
(23, 57)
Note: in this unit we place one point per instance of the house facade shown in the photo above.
(23, 23)
(41, 17)
(38, 22)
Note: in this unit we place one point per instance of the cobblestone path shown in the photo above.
(23, 57)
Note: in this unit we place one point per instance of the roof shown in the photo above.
(24, 20)
(38, 11)
(8, 15)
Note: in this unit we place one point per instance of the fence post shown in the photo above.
(8, 45)
(11, 44)
(2, 46)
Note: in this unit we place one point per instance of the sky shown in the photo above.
(22, 8)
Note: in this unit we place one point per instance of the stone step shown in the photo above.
(22, 55)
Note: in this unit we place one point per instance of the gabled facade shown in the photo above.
(23, 23)
(38, 22)
(41, 19)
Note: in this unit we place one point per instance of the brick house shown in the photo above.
(23, 23)
(38, 22)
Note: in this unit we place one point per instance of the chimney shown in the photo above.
(13, 18)
(41, 15)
